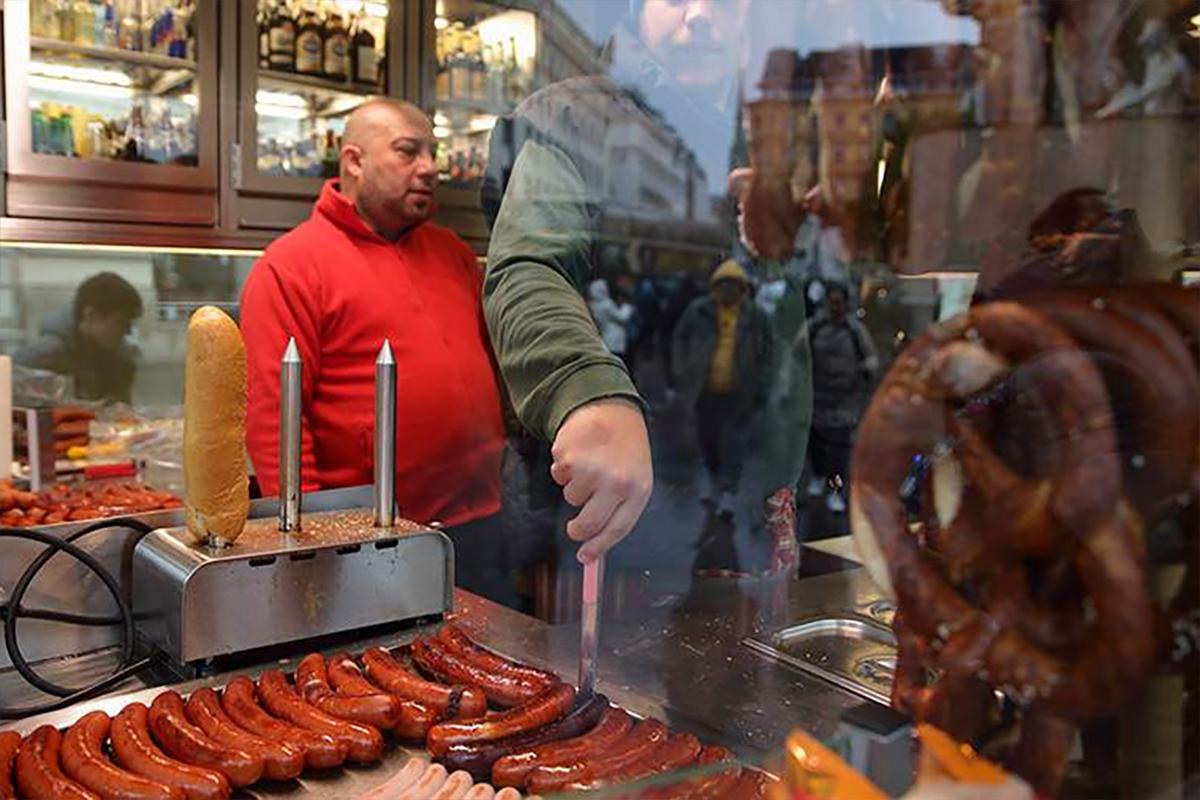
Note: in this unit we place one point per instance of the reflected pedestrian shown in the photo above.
(722, 357)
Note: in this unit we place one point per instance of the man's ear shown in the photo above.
(352, 160)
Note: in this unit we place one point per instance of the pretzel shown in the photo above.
(1151, 379)
(1076, 514)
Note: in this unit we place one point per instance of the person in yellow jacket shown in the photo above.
(722, 357)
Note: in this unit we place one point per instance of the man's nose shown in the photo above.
(698, 18)
(427, 166)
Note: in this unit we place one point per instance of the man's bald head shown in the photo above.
(387, 164)
(374, 118)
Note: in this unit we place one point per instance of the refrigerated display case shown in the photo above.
(119, 102)
(303, 68)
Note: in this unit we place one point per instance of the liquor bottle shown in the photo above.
(495, 77)
(310, 44)
(177, 37)
(281, 36)
(514, 85)
(366, 63)
(84, 23)
(331, 155)
(477, 73)
(336, 65)
(460, 65)
(109, 29)
(44, 19)
(64, 11)
(98, 18)
(129, 30)
(262, 18)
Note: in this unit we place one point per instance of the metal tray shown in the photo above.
(855, 653)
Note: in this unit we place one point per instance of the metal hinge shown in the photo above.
(235, 165)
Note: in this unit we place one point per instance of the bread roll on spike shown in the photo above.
(217, 494)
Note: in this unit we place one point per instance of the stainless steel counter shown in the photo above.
(680, 661)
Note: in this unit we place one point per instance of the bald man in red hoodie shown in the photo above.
(368, 265)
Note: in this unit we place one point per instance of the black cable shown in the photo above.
(14, 611)
(51, 615)
(104, 685)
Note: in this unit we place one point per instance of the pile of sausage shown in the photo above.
(66, 503)
(535, 736)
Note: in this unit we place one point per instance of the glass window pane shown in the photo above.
(114, 81)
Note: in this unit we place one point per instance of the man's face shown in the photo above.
(107, 330)
(837, 305)
(396, 170)
(694, 39)
(727, 292)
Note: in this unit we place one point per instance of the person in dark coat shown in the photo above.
(87, 342)
(722, 359)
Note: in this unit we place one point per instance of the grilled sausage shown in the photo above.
(347, 680)
(136, 751)
(548, 706)
(380, 710)
(501, 690)
(10, 742)
(182, 740)
(281, 761)
(320, 751)
(711, 786)
(751, 785)
(365, 743)
(38, 774)
(646, 737)
(457, 641)
(678, 751)
(83, 760)
(450, 702)
(514, 769)
(479, 758)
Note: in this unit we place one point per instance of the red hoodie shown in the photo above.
(341, 289)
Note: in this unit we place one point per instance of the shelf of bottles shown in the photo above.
(317, 61)
(486, 56)
(114, 80)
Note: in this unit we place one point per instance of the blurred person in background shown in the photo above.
(844, 366)
(612, 318)
(722, 361)
(88, 341)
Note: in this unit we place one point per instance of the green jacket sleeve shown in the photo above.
(549, 352)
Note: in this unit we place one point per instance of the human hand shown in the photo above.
(602, 460)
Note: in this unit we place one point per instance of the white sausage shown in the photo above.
(480, 791)
(403, 779)
(455, 786)
(430, 782)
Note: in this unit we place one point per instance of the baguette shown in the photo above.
(217, 497)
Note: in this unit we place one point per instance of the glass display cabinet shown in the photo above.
(118, 100)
